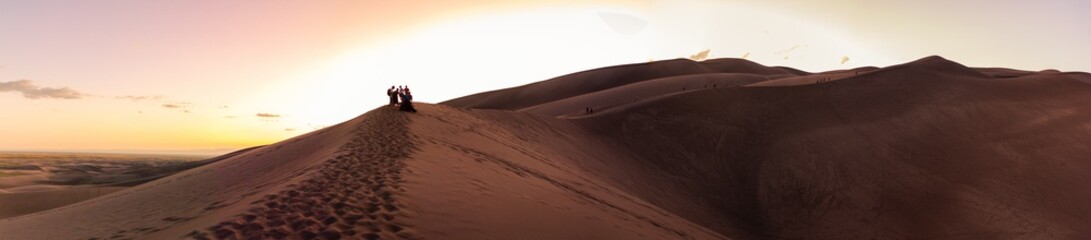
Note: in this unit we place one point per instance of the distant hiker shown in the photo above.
(393, 95)
(407, 100)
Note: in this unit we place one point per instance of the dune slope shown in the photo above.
(442, 174)
(263, 192)
(44, 181)
(926, 149)
(929, 149)
(641, 91)
(604, 78)
(484, 174)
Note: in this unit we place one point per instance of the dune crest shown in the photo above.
(265, 192)
(719, 149)
(604, 78)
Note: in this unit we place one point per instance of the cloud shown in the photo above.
(177, 105)
(744, 56)
(289, 129)
(268, 115)
(844, 59)
(701, 56)
(140, 98)
(230, 117)
(31, 91)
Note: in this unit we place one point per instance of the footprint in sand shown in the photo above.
(350, 196)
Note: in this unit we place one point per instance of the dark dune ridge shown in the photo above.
(604, 78)
(678, 149)
(926, 149)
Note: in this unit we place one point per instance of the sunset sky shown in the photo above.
(213, 76)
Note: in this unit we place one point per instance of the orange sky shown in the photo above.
(194, 76)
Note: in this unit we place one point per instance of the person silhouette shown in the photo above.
(407, 100)
(393, 95)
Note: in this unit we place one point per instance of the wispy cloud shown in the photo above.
(844, 59)
(268, 115)
(32, 91)
(289, 129)
(701, 56)
(140, 98)
(177, 105)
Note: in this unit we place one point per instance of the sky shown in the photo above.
(208, 77)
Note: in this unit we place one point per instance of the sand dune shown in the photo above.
(22, 202)
(642, 91)
(604, 78)
(890, 155)
(926, 149)
(815, 78)
(735, 65)
(347, 181)
(506, 175)
(33, 182)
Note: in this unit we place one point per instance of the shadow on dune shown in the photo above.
(677, 149)
(926, 149)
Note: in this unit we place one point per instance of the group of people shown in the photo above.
(403, 95)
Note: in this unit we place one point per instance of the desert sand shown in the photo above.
(927, 149)
(34, 181)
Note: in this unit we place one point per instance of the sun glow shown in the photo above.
(459, 57)
(194, 74)
(464, 55)
(465, 52)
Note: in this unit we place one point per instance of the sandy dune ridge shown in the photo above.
(926, 149)
(350, 195)
(675, 149)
